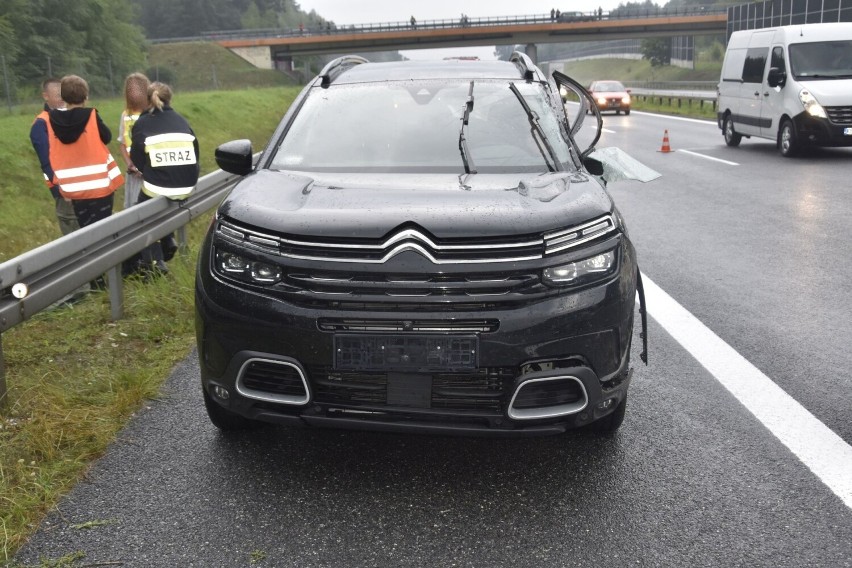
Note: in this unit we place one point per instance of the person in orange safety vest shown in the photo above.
(83, 167)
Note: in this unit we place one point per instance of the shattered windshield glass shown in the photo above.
(413, 126)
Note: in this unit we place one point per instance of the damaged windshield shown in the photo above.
(415, 126)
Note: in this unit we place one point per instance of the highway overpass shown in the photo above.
(264, 47)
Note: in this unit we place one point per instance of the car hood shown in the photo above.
(446, 205)
(610, 94)
(830, 92)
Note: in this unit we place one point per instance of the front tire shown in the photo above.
(732, 138)
(224, 419)
(788, 142)
(627, 112)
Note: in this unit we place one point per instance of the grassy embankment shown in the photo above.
(74, 376)
(588, 70)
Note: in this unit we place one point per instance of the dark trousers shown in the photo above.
(89, 211)
(154, 252)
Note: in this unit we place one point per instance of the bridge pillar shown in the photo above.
(532, 52)
(258, 55)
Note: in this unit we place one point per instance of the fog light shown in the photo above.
(221, 392)
(608, 403)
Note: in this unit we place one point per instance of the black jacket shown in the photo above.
(172, 175)
(70, 124)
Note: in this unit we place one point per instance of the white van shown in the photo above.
(791, 84)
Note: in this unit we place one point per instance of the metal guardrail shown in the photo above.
(49, 273)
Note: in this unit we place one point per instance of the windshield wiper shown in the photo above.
(537, 129)
(469, 167)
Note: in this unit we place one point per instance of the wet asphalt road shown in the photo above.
(756, 251)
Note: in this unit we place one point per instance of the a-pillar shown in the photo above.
(532, 52)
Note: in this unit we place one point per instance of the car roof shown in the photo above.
(431, 69)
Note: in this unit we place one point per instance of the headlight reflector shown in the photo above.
(592, 269)
(250, 271)
(625, 99)
(812, 107)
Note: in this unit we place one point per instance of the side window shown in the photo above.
(755, 62)
(777, 59)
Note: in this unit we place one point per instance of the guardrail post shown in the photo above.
(116, 293)
(3, 393)
(183, 248)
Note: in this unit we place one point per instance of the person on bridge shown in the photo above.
(50, 92)
(83, 167)
(413, 22)
(165, 149)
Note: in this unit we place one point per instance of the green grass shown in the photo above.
(194, 66)
(627, 70)
(75, 377)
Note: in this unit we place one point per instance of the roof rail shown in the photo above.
(523, 62)
(337, 66)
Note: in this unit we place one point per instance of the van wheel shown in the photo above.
(732, 138)
(609, 424)
(788, 142)
(224, 419)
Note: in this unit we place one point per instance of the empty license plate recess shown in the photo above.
(405, 352)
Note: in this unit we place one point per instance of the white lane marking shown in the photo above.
(708, 157)
(607, 130)
(818, 447)
(684, 118)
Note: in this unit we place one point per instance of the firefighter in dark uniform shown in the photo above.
(165, 150)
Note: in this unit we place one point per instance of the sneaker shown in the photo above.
(169, 246)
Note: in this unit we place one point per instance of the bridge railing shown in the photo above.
(460, 22)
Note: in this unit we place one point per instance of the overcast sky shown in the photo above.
(345, 12)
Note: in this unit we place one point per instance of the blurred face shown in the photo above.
(52, 97)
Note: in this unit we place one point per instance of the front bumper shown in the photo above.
(822, 132)
(543, 368)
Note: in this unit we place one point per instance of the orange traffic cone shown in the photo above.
(666, 147)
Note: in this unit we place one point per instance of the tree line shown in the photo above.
(104, 40)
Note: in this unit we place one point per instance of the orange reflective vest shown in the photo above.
(83, 169)
(45, 116)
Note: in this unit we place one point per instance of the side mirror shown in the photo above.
(235, 157)
(776, 77)
(628, 91)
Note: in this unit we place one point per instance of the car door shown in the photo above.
(772, 107)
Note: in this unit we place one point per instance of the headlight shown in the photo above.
(601, 100)
(250, 271)
(812, 107)
(625, 99)
(584, 271)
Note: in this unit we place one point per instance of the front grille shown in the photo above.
(480, 390)
(348, 274)
(841, 115)
(509, 248)
(394, 325)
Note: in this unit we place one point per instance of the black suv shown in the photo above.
(421, 247)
